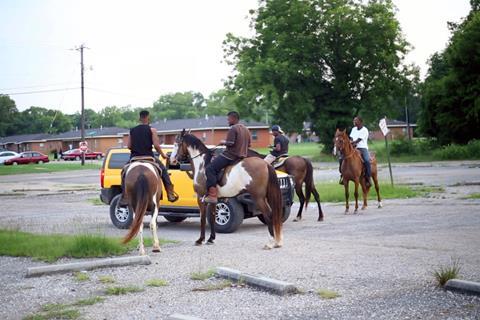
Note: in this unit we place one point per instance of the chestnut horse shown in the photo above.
(301, 170)
(143, 190)
(352, 170)
(252, 175)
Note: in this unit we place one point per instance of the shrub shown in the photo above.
(400, 147)
(443, 274)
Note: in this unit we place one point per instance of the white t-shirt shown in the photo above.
(362, 134)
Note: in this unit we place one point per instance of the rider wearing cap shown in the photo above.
(280, 144)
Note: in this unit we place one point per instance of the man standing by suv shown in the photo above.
(140, 142)
(237, 142)
(280, 145)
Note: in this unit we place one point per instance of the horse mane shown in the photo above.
(193, 141)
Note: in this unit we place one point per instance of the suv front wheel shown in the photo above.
(121, 217)
(229, 215)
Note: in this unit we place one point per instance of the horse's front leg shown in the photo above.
(153, 226)
(347, 193)
(301, 199)
(365, 195)
(355, 193)
(202, 208)
(211, 220)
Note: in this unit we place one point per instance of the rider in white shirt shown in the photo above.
(359, 136)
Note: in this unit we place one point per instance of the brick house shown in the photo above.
(398, 130)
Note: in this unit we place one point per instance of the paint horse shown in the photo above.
(252, 175)
(301, 170)
(143, 191)
(352, 170)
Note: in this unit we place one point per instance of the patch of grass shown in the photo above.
(156, 283)
(89, 301)
(46, 167)
(472, 196)
(96, 201)
(81, 276)
(212, 287)
(445, 273)
(55, 311)
(116, 291)
(333, 192)
(106, 279)
(50, 248)
(200, 276)
(327, 294)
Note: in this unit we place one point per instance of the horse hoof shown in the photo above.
(198, 243)
(320, 219)
(210, 242)
(364, 208)
(380, 205)
(267, 247)
(346, 211)
(156, 250)
(278, 245)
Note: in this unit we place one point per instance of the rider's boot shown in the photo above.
(212, 195)
(171, 194)
(368, 182)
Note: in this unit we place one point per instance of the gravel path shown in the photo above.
(380, 263)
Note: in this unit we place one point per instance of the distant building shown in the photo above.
(398, 130)
(209, 129)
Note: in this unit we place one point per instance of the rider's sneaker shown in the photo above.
(171, 194)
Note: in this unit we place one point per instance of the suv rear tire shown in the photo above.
(286, 214)
(229, 215)
(121, 217)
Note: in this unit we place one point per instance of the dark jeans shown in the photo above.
(213, 169)
(366, 160)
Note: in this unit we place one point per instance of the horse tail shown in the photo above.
(140, 202)
(309, 184)
(274, 198)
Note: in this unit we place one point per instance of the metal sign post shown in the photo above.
(383, 126)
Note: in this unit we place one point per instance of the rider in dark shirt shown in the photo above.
(140, 142)
(280, 144)
(237, 142)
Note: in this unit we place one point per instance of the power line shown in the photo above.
(40, 91)
(37, 86)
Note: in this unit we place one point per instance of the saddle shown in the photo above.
(147, 159)
(278, 162)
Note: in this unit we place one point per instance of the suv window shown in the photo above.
(118, 160)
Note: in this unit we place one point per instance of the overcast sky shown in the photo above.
(139, 50)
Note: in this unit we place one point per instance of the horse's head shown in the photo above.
(180, 151)
(340, 140)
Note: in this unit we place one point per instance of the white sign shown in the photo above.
(383, 126)
(83, 146)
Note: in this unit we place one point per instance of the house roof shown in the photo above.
(212, 122)
(24, 138)
(89, 133)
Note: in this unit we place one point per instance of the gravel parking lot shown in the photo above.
(380, 262)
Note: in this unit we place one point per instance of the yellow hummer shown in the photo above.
(230, 212)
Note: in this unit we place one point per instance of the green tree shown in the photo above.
(180, 105)
(8, 113)
(219, 103)
(319, 60)
(450, 93)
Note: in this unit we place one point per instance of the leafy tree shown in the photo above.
(8, 112)
(451, 100)
(178, 106)
(319, 60)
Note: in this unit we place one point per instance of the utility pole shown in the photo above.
(407, 120)
(82, 121)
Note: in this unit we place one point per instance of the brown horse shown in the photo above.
(301, 170)
(352, 170)
(143, 190)
(252, 175)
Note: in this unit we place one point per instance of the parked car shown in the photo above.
(7, 155)
(27, 157)
(230, 212)
(76, 154)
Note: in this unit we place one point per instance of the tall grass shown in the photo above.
(445, 273)
(50, 248)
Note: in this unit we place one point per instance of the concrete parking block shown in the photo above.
(87, 265)
(269, 284)
(463, 286)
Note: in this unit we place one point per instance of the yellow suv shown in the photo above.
(230, 212)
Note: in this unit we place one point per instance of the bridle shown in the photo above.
(342, 149)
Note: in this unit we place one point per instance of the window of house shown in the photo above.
(254, 135)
